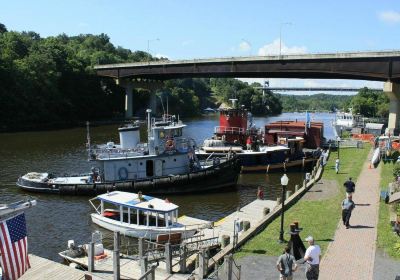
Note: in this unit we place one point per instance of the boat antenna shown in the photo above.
(162, 105)
(167, 104)
(148, 111)
(88, 139)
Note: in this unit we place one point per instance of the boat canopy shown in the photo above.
(131, 200)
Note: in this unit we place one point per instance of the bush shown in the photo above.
(396, 170)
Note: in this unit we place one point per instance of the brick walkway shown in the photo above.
(351, 255)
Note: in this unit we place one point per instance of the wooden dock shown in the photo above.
(42, 268)
(252, 212)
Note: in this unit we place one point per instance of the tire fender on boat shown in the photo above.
(123, 173)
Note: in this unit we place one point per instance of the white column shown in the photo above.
(392, 90)
(156, 219)
(121, 213)
(102, 207)
(129, 215)
(166, 219)
(137, 216)
(147, 218)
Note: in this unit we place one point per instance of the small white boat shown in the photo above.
(376, 156)
(139, 215)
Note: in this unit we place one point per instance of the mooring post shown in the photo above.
(116, 264)
(201, 264)
(183, 267)
(141, 247)
(143, 265)
(228, 267)
(91, 257)
(168, 258)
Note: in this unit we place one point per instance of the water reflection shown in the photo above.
(56, 219)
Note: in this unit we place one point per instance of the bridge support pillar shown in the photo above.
(128, 86)
(392, 90)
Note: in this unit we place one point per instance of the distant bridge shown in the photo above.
(322, 89)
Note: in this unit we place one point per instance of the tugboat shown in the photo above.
(165, 164)
(278, 147)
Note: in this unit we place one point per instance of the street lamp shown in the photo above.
(280, 36)
(248, 44)
(284, 182)
(148, 47)
(338, 147)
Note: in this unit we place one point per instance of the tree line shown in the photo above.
(50, 82)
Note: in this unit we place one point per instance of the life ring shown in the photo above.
(123, 173)
(169, 145)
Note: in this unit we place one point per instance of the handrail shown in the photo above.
(148, 272)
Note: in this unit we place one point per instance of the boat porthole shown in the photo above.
(141, 163)
(174, 159)
(163, 161)
(123, 173)
(129, 164)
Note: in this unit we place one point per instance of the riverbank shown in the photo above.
(318, 217)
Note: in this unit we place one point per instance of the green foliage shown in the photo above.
(247, 95)
(370, 103)
(317, 102)
(396, 170)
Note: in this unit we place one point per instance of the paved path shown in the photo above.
(351, 255)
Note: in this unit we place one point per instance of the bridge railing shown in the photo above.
(228, 130)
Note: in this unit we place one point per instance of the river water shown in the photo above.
(57, 219)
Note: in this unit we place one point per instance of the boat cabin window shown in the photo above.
(149, 168)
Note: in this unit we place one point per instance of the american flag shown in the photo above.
(14, 247)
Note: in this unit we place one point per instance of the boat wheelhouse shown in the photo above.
(139, 215)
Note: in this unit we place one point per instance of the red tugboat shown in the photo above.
(281, 146)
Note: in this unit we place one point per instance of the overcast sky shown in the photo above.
(201, 29)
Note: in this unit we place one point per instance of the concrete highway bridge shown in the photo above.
(371, 66)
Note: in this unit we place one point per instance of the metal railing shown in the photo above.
(224, 129)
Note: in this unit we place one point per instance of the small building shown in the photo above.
(374, 128)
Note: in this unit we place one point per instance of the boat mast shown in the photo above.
(88, 139)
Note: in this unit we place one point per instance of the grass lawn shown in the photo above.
(318, 218)
(386, 238)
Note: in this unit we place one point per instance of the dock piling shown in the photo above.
(91, 257)
(228, 267)
(143, 265)
(202, 263)
(168, 258)
(141, 247)
(183, 267)
(116, 263)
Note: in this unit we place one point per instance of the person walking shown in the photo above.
(286, 265)
(347, 206)
(312, 258)
(337, 162)
(350, 187)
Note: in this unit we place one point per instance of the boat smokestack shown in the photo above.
(148, 111)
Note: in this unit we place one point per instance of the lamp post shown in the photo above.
(249, 45)
(280, 36)
(338, 147)
(284, 182)
(148, 47)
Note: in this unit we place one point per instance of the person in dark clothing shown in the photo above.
(350, 187)
(286, 265)
(347, 206)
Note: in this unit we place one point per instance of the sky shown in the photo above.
(186, 29)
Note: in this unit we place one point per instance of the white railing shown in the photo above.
(224, 129)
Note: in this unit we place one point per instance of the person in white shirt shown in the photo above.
(337, 162)
(312, 258)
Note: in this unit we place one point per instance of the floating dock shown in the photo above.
(42, 268)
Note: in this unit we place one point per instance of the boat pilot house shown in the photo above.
(136, 215)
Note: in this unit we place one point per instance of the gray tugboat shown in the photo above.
(167, 163)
